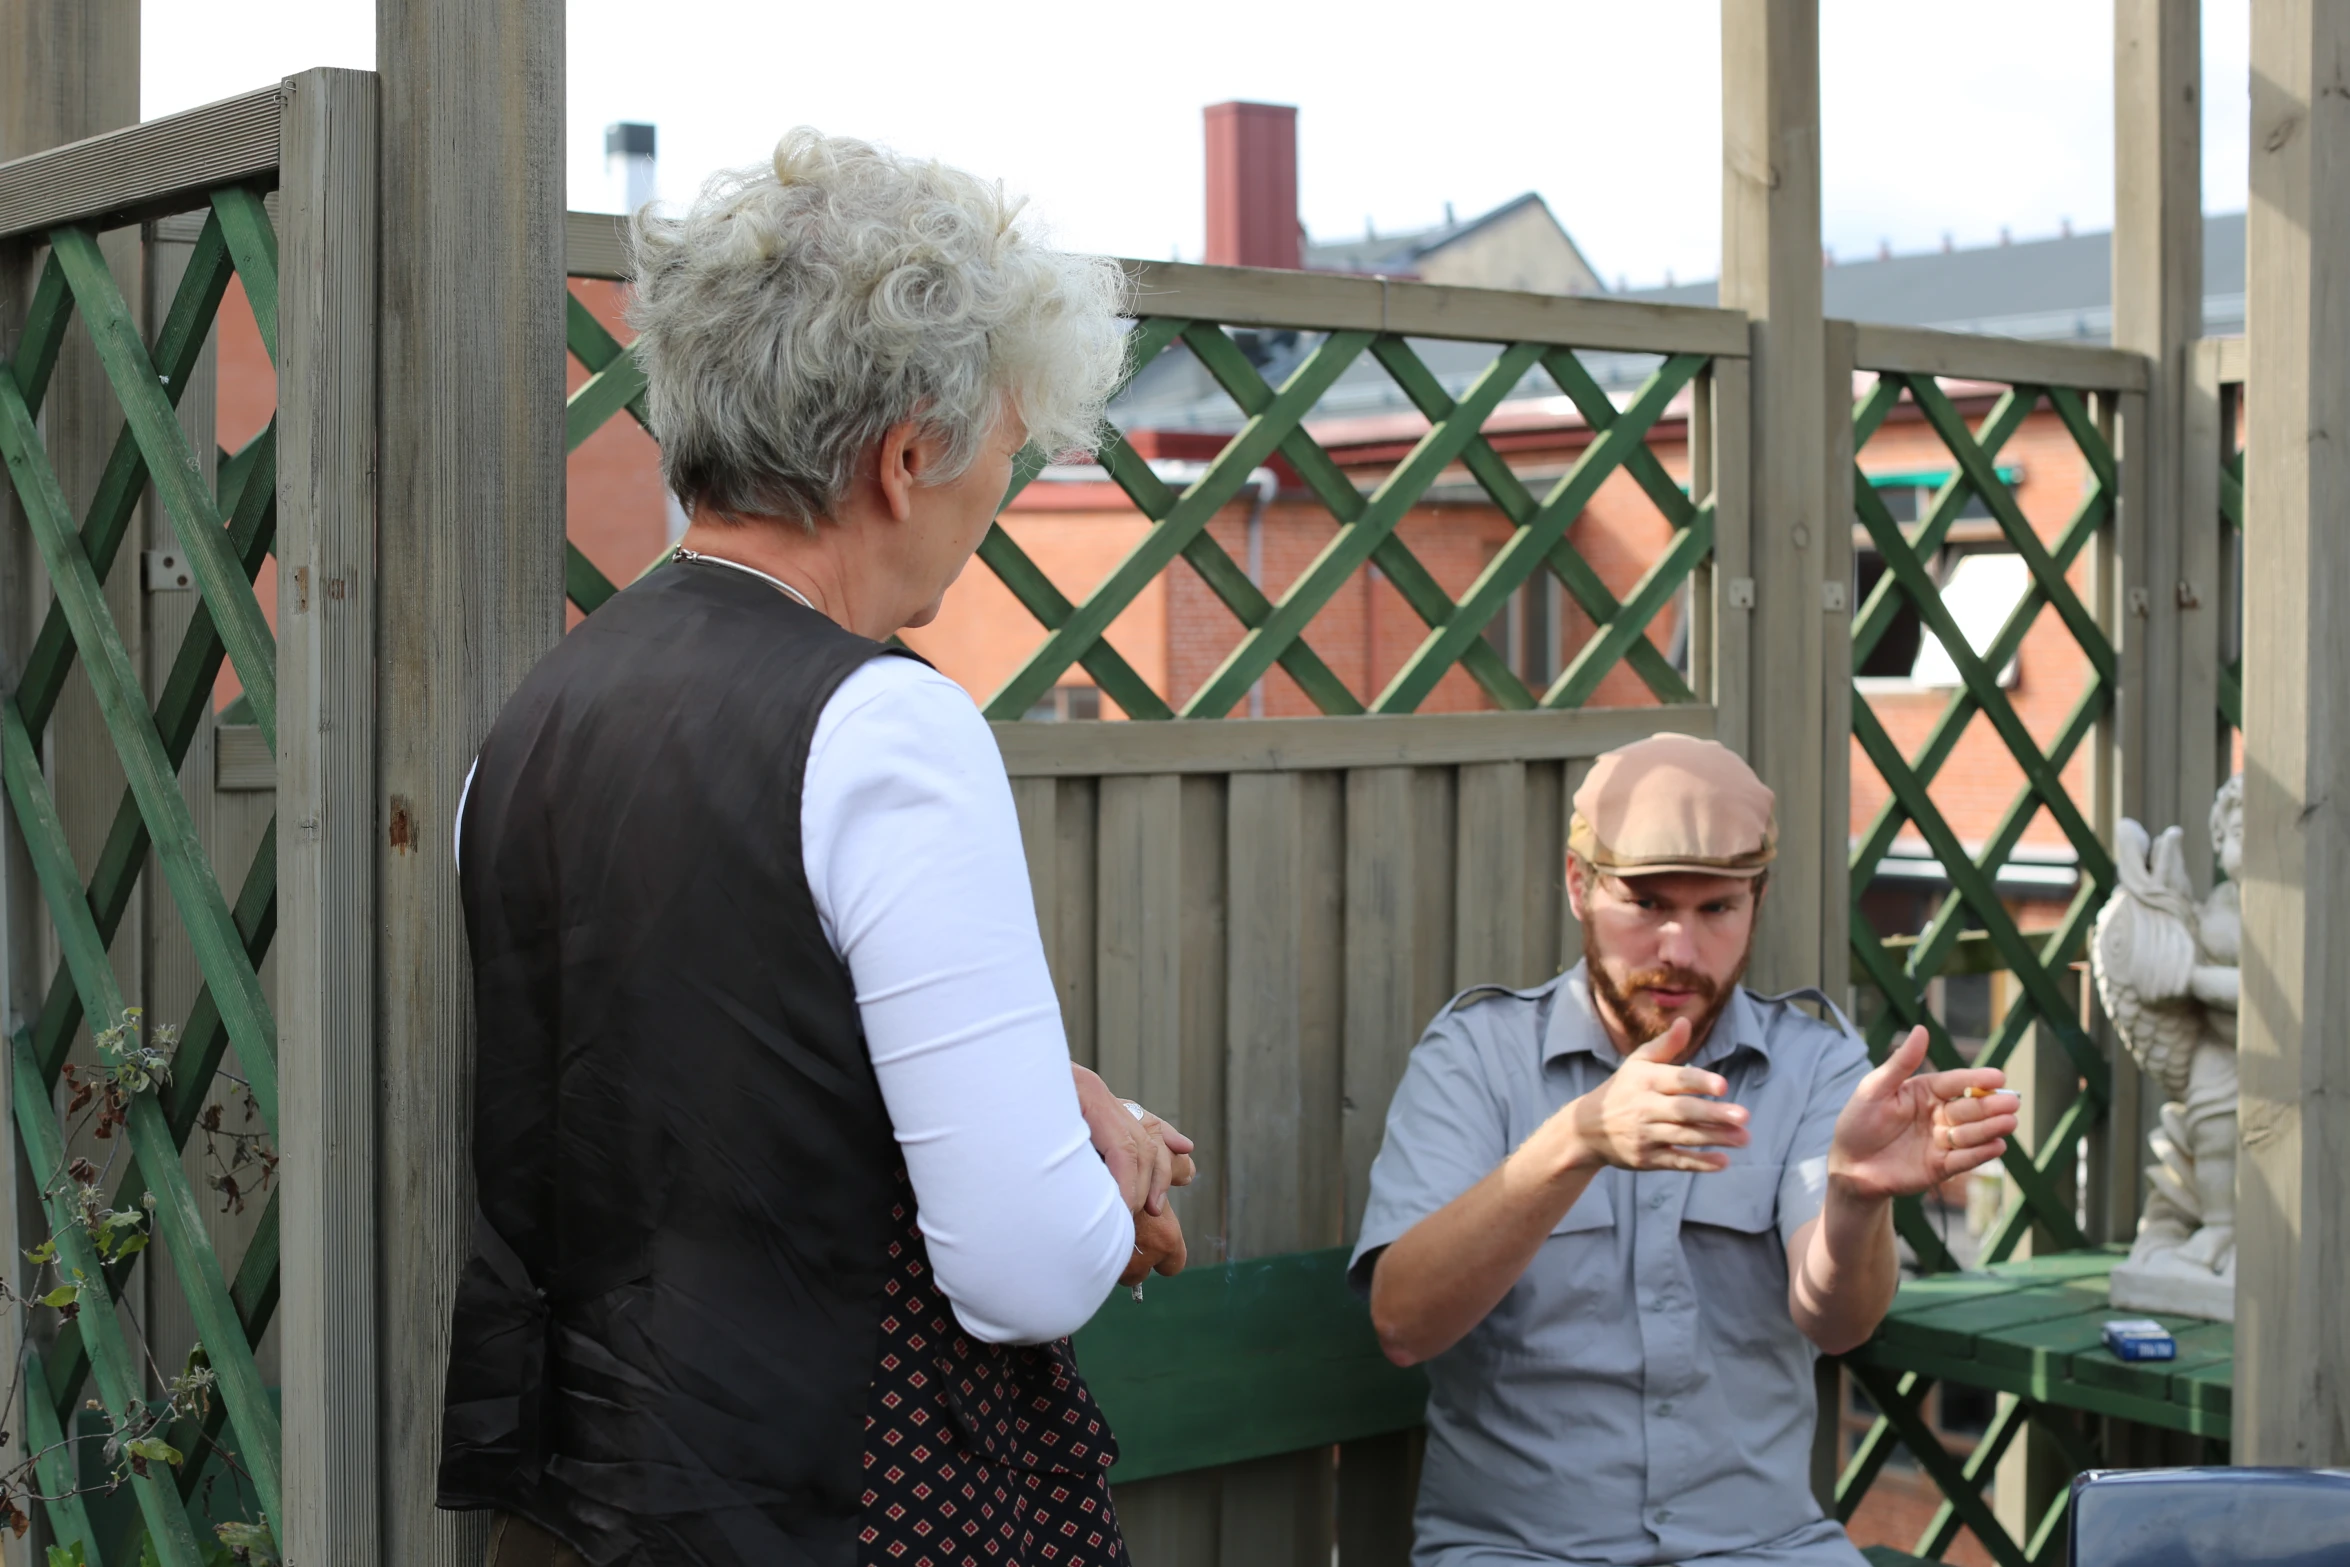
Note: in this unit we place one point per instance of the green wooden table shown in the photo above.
(2034, 1329)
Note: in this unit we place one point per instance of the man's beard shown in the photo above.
(1644, 1022)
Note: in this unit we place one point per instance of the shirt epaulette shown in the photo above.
(1477, 995)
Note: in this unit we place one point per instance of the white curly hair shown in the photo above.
(800, 309)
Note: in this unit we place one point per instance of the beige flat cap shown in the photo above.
(1674, 803)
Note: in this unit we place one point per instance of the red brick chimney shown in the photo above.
(1252, 185)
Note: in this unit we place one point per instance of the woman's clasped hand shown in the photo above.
(1148, 1156)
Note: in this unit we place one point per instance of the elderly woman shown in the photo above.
(790, 1195)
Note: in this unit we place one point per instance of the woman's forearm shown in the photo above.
(1443, 1275)
(913, 852)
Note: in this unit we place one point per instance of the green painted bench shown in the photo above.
(1223, 1364)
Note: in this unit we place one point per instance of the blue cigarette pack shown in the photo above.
(2138, 1338)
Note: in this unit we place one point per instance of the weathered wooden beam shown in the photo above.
(471, 531)
(327, 593)
(1334, 302)
(143, 170)
(2168, 764)
(1968, 356)
(595, 245)
(2292, 1387)
(1264, 745)
(1771, 271)
(2227, 357)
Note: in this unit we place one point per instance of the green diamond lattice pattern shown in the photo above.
(1901, 970)
(225, 531)
(1273, 631)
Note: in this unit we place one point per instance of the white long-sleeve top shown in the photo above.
(912, 850)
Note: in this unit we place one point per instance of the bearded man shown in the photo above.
(1618, 1215)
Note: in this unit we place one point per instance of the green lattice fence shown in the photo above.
(80, 1348)
(1622, 397)
(1970, 928)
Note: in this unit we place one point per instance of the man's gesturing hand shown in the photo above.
(1905, 1132)
(1655, 1114)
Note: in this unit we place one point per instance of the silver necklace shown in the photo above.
(682, 553)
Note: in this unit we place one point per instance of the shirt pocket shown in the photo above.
(1569, 1294)
(1744, 1197)
(1730, 1242)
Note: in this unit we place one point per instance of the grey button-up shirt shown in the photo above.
(1641, 1394)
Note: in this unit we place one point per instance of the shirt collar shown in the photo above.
(1575, 1027)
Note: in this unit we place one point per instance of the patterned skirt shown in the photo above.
(977, 1455)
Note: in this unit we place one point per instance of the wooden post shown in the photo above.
(326, 812)
(68, 69)
(1796, 723)
(2167, 762)
(2292, 1387)
(1771, 270)
(470, 536)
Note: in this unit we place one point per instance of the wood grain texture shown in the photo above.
(2293, 1226)
(2157, 313)
(68, 71)
(1138, 972)
(1382, 1021)
(1399, 832)
(1970, 356)
(595, 244)
(1834, 812)
(139, 171)
(1771, 271)
(2228, 358)
(241, 763)
(1732, 627)
(1331, 302)
(1282, 871)
(1206, 1018)
(2118, 1145)
(471, 366)
(1490, 875)
(1244, 745)
(326, 615)
(2206, 593)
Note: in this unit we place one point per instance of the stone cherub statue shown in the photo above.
(2166, 971)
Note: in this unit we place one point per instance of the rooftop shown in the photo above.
(2050, 289)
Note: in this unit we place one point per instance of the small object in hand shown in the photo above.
(1978, 1091)
(1138, 1289)
(2139, 1338)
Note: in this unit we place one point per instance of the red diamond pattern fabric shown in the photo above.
(1000, 1459)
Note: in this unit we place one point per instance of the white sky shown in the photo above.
(1937, 118)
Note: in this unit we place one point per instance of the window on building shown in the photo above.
(1981, 589)
(1066, 702)
(1981, 582)
(1526, 633)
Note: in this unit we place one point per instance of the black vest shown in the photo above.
(662, 1344)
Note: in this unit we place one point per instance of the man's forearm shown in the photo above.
(1847, 1271)
(1445, 1273)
